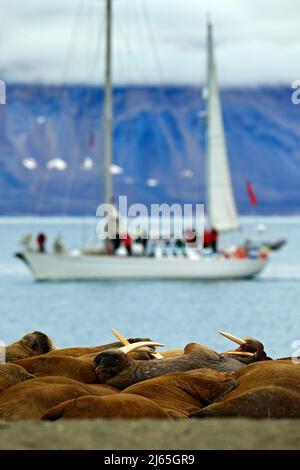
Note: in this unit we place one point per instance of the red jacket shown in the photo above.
(127, 240)
(214, 236)
(207, 238)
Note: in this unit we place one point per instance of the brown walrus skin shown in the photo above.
(70, 367)
(121, 406)
(32, 399)
(181, 393)
(12, 374)
(269, 389)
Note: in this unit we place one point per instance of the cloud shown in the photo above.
(155, 41)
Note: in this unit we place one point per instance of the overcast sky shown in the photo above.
(155, 41)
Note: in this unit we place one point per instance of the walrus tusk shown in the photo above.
(235, 339)
(120, 337)
(123, 340)
(237, 353)
(134, 346)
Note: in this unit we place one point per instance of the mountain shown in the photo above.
(158, 135)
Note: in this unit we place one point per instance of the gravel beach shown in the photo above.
(232, 434)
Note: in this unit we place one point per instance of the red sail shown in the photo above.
(251, 194)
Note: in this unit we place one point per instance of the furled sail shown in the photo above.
(222, 214)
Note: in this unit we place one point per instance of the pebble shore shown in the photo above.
(221, 434)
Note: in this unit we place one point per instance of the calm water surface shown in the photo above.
(172, 312)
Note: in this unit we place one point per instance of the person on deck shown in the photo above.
(41, 241)
(214, 238)
(128, 243)
(190, 237)
(113, 227)
(116, 242)
(143, 241)
(58, 245)
(207, 239)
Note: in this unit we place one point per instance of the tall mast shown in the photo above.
(108, 106)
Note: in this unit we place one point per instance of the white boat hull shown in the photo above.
(51, 267)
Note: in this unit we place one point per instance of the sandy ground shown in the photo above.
(152, 435)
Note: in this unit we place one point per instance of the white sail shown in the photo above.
(222, 214)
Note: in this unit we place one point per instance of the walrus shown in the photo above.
(182, 393)
(31, 399)
(32, 344)
(116, 368)
(252, 350)
(12, 374)
(269, 389)
(125, 406)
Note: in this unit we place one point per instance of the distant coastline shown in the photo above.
(158, 134)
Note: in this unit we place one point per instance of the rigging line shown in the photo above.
(93, 64)
(125, 116)
(120, 29)
(129, 48)
(127, 27)
(46, 173)
(41, 186)
(124, 34)
(95, 31)
(77, 150)
(75, 26)
(39, 207)
(122, 64)
(155, 49)
(145, 12)
(96, 70)
(96, 75)
(89, 33)
(162, 92)
(92, 30)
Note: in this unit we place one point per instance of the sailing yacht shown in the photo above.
(222, 213)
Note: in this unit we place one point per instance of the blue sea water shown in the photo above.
(176, 313)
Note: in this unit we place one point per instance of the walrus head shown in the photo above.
(32, 344)
(112, 362)
(109, 363)
(249, 350)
